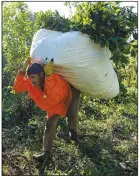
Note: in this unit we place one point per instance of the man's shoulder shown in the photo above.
(53, 77)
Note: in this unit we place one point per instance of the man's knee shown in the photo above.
(74, 106)
(75, 93)
(48, 126)
(51, 123)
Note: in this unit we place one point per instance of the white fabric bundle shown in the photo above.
(84, 64)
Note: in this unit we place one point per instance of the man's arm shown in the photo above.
(21, 82)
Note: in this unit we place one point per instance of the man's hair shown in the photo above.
(34, 68)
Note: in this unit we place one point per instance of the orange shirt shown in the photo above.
(56, 97)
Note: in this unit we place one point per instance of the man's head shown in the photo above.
(36, 73)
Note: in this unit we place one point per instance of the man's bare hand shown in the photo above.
(26, 63)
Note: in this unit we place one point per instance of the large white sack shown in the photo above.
(84, 64)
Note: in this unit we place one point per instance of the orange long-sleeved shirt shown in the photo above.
(56, 97)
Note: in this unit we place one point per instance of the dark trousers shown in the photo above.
(72, 117)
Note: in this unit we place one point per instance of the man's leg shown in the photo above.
(49, 134)
(72, 114)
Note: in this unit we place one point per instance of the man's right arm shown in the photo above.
(21, 82)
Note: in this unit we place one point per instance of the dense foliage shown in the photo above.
(107, 128)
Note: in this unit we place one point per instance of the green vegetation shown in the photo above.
(107, 128)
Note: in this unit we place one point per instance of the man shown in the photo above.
(52, 94)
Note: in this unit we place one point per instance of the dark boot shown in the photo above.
(73, 135)
(44, 157)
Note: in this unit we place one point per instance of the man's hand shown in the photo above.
(49, 68)
(26, 63)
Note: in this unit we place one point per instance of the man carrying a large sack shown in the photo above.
(52, 94)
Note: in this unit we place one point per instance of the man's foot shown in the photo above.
(44, 157)
(73, 135)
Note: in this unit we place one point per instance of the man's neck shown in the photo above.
(42, 85)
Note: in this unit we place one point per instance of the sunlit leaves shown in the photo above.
(17, 29)
(109, 25)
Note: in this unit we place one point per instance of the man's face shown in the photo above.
(36, 79)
